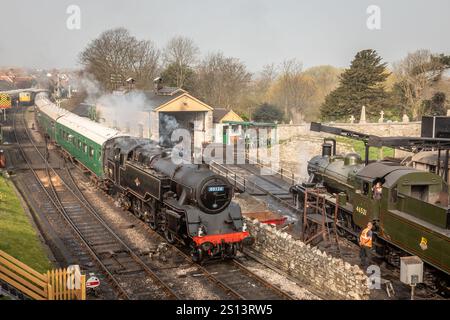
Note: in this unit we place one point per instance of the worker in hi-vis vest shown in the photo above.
(365, 242)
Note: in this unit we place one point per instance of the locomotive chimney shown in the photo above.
(157, 84)
(326, 149)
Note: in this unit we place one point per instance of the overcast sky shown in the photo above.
(34, 32)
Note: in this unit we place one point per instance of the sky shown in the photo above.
(34, 33)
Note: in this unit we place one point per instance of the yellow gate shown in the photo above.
(60, 284)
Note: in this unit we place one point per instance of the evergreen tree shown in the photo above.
(360, 85)
(170, 76)
(435, 106)
(268, 113)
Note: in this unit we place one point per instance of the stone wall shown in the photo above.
(329, 275)
(287, 131)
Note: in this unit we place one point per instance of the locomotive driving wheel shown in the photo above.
(151, 216)
(231, 250)
(169, 236)
(165, 229)
(137, 208)
(197, 255)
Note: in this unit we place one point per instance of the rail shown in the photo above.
(242, 184)
(58, 204)
(284, 174)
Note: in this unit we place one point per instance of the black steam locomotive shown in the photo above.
(188, 203)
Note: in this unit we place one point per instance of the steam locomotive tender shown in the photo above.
(187, 203)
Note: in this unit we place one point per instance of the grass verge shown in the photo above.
(359, 148)
(17, 234)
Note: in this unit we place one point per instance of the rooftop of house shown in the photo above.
(82, 110)
(162, 96)
(219, 113)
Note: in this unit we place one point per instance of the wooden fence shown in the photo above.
(60, 284)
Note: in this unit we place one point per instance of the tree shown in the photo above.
(170, 76)
(268, 113)
(291, 90)
(416, 73)
(435, 106)
(257, 91)
(115, 53)
(325, 79)
(360, 85)
(179, 56)
(221, 81)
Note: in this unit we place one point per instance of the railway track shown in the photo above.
(124, 269)
(130, 277)
(244, 283)
(234, 279)
(246, 179)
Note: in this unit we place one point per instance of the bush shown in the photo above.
(268, 113)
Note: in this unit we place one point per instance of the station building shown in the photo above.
(165, 109)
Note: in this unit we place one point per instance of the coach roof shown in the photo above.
(88, 128)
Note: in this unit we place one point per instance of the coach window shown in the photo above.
(91, 152)
(394, 194)
(84, 148)
(366, 188)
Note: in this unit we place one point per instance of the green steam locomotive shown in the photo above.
(411, 215)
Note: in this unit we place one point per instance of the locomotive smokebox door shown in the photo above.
(411, 270)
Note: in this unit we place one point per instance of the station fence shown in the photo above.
(59, 284)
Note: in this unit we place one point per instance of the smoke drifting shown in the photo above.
(167, 125)
(92, 88)
(125, 111)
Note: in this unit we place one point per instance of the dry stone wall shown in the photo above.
(332, 276)
(287, 131)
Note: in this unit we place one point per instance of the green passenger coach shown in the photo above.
(82, 138)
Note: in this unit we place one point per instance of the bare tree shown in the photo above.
(116, 52)
(266, 78)
(222, 81)
(181, 53)
(326, 79)
(415, 74)
(292, 90)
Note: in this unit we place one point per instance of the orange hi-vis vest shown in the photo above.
(364, 240)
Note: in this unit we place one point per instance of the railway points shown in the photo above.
(116, 259)
(68, 197)
(158, 174)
